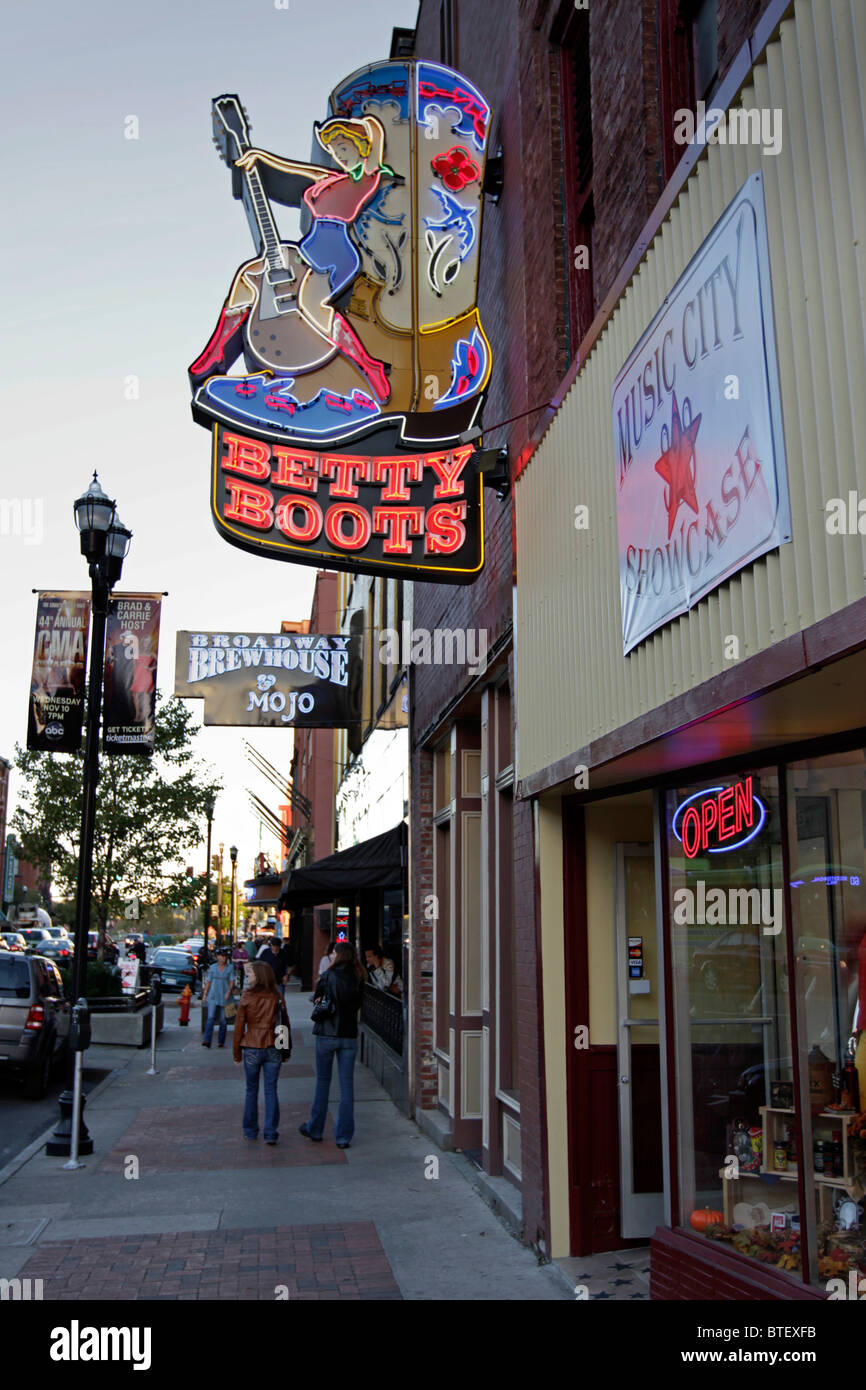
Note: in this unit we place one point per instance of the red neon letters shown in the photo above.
(724, 815)
(320, 493)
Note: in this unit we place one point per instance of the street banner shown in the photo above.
(56, 709)
(701, 479)
(270, 680)
(131, 647)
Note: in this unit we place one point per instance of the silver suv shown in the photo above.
(34, 1019)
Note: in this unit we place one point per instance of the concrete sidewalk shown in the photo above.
(174, 1204)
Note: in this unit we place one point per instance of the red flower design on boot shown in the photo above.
(456, 168)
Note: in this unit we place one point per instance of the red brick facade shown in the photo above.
(527, 259)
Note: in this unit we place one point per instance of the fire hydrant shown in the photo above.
(185, 1001)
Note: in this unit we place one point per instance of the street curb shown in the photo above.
(36, 1144)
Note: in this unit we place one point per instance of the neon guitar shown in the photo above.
(261, 315)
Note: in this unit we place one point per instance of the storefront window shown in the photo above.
(737, 1126)
(827, 834)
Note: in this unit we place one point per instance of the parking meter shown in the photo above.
(79, 1033)
(155, 988)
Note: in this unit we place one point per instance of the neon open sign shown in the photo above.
(732, 816)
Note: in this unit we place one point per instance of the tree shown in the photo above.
(149, 811)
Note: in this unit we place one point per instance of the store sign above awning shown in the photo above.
(699, 453)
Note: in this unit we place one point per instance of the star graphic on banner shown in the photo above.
(674, 466)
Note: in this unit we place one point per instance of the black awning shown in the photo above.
(376, 863)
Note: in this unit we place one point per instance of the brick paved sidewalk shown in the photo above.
(169, 1206)
(288, 1262)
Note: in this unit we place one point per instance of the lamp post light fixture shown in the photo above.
(104, 545)
(208, 810)
(233, 856)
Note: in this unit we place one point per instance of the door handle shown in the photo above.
(624, 1080)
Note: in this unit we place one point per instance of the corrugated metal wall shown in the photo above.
(573, 682)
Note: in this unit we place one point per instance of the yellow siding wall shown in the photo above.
(571, 671)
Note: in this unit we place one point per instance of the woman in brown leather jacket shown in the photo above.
(258, 1015)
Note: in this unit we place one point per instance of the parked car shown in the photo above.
(61, 950)
(12, 941)
(34, 1020)
(34, 937)
(173, 966)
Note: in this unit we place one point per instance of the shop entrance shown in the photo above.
(639, 1008)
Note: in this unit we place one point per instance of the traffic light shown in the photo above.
(215, 863)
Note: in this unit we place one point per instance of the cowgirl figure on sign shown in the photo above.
(334, 200)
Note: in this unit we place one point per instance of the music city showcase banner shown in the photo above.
(701, 480)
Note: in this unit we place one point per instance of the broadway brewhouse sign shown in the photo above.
(700, 463)
(269, 680)
(366, 360)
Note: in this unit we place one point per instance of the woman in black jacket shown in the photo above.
(337, 1036)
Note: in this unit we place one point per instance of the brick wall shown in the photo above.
(421, 859)
(737, 19)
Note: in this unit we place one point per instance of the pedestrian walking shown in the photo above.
(258, 1013)
(219, 986)
(239, 960)
(272, 956)
(337, 1036)
(288, 962)
(327, 959)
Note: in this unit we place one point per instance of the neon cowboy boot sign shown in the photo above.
(364, 352)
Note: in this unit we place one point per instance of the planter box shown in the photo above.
(125, 1029)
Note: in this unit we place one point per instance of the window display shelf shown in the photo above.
(820, 1121)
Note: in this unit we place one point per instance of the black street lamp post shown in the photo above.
(104, 544)
(209, 810)
(233, 855)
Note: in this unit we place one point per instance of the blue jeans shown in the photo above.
(257, 1059)
(345, 1050)
(214, 1008)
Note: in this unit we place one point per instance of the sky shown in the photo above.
(118, 254)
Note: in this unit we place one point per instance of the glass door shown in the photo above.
(638, 1054)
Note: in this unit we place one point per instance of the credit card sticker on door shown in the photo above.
(635, 957)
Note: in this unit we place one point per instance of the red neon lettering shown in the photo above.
(691, 839)
(251, 505)
(292, 469)
(448, 468)
(445, 530)
(744, 803)
(246, 456)
(709, 819)
(397, 470)
(345, 469)
(310, 529)
(396, 524)
(360, 531)
(726, 814)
